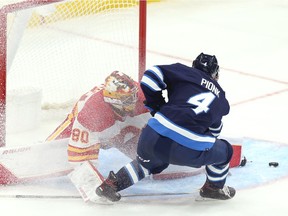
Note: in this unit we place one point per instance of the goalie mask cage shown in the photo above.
(66, 47)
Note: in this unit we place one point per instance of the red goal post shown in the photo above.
(115, 43)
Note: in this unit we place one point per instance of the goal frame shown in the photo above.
(10, 8)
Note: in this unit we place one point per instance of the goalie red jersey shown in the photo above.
(111, 115)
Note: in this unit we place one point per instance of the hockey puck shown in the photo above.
(243, 162)
(274, 164)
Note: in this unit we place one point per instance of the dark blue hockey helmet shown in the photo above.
(208, 64)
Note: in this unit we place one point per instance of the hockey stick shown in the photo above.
(32, 196)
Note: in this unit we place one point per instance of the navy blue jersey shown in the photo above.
(196, 104)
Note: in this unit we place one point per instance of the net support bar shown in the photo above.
(142, 37)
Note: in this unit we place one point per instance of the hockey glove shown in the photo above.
(153, 108)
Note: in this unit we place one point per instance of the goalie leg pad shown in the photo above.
(86, 178)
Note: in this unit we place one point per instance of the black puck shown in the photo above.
(274, 164)
(243, 162)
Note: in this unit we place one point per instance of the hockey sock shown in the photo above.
(129, 175)
(217, 174)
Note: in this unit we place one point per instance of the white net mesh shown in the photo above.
(69, 47)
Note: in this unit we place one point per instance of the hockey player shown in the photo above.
(110, 115)
(183, 131)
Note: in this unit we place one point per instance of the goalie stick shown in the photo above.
(49, 159)
(33, 162)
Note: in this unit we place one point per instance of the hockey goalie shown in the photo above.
(109, 115)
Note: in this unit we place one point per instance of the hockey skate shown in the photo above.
(108, 189)
(211, 192)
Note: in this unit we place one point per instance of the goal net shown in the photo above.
(63, 48)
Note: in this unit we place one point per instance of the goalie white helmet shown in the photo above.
(120, 91)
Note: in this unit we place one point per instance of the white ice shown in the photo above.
(250, 40)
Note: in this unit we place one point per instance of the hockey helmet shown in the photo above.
(208, 64)
(120, 91)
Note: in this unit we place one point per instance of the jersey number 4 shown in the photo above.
(202, 102)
